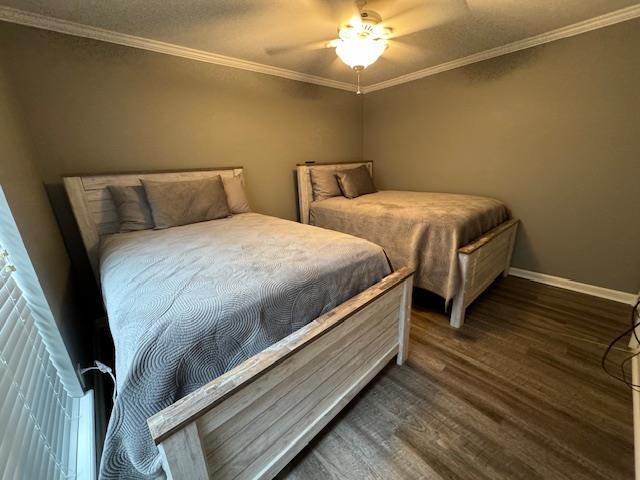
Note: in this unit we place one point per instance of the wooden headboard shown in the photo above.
(305, 192)
(95, 212)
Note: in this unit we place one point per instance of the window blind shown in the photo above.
(39, 419)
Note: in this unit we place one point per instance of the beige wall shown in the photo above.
(553, 131)
(25, 193)
(95, 107)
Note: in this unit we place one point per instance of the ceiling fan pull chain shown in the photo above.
(358, 92)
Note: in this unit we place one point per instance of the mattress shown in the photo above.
(421, 230)
(189, 303)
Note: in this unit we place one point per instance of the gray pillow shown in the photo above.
(236, 198)
(324, 183)
(355, 182)
(132, 208)
(182, 203)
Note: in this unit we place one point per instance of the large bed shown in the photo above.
(457, 244)
(236, 339)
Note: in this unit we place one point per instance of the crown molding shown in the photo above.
(71, 28)
(21, 17)
(595, 23)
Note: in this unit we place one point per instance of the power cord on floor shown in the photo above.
(623, 364)
(104, 369)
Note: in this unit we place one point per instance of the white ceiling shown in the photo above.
(427, 32)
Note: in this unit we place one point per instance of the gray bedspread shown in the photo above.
(418, 229)
(189, 303)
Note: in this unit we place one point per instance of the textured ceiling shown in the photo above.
(427, 32)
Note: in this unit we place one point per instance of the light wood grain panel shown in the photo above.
(183, 457)
(105, 216)
(488, 237)
(100, 182)
(480, 263)
(405, 321)
(305, 193)
(485, 265)
(102, 205)
(98, 195)
(88, 229)
(488, 261)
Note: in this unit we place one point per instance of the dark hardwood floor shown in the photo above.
(517, 393)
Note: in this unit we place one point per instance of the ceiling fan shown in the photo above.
(364, 37)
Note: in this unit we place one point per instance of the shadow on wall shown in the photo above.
(524, 249)
(296, 189)
(499, 67)
(89, 298)
(77, 334)
(305, 91)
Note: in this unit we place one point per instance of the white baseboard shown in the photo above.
(615, 295)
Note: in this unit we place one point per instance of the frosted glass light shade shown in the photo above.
(360, 52)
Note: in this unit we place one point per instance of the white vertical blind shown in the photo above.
(27, 279)
(41, 399)
(38, 418)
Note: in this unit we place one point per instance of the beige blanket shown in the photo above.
(419, 229)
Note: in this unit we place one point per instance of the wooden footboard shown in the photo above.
(481, 262)
(251, 421)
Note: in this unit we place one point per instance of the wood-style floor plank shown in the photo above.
(517, 393)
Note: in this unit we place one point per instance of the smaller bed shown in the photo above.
(457, 244)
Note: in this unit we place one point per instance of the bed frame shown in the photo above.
(481, 261)
(251, 421)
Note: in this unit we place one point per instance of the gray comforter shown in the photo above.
(418, 229)
(189, 303)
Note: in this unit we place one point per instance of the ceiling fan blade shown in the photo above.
(390, 9)
(425, 15)
(300, 48)
(402, 50)
(338, 11)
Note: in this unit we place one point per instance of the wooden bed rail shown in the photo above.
(479, 242)
(249, 422)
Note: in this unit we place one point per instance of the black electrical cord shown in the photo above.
(632, 330)
(633, 324)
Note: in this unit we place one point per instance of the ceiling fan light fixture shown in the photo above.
(360, 52)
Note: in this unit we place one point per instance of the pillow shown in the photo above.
(324, 183)
(355, 182)
(236, 198)
(132, 208)
(181, 203)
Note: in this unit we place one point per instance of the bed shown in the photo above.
(236, 339)
(457, 244)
